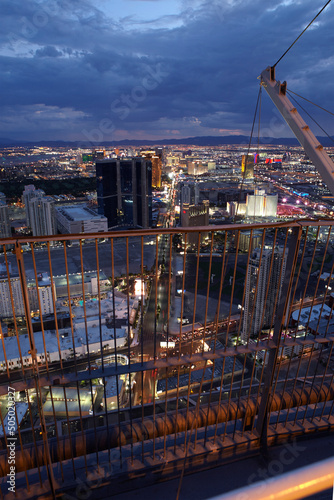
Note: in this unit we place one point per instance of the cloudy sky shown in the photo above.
(151, 69)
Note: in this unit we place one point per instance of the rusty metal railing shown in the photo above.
(127, 351)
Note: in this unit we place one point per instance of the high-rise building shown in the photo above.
(5, 230)
(236, 208)
(43, 302)
(9, 292)
(250, 239)
(197, 167)
(28, 194)
(124, 191)
(156, 160)
(261, 204)
(189, 193)
(247, 166)
(42, 216)
(185, 195)
(264, 279)
(192, 216)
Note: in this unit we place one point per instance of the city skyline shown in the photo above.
(154, 70)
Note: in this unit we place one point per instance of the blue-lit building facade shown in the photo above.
(124, 192)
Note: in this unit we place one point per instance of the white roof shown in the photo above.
(311, 313)
(51, 342)
(79, 213)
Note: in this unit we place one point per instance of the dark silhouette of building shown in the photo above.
(124, 191)
(195, 215)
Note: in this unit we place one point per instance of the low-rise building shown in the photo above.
(80, 219)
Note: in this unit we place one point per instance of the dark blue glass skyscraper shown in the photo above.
(124, 191)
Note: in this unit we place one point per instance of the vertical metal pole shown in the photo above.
(262, 421)
(48, 463)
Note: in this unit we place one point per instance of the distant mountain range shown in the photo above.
(188, 141)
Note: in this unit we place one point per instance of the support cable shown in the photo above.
(308, 114)
(320, 11)
(311, 102)
(259, 124)
(249, 145)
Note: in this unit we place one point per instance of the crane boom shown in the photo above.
(311, 145)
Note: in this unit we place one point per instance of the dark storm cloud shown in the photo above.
(69, 63)
(48, 51)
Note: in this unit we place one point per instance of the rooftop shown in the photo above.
(79, 213)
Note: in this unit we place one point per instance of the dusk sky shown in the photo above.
(151, 69)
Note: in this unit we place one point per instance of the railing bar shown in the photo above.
(195, 292)
(12, 302)
(277, 295)
(69, 431)
(155, 332)
(40, 309)
(180, 333)
(249, 388)
(170, 290)
(222, 279)
(129, 338)
(249, 318)
(81, 424)
(87, 339)
(165, 416)
(260, 388)
(219, 400)
(53, 288)
(192, 332)
(56, 431)
(37, 380)
(187, 411)
(156, 297)
(101, 344)
(84, 306)
(233, 285)
(190, 433)
(171, 230)
(320, 313)
(207, 292)
(286, 284)
(288, 319)
(325, 375)
(99, 303)
(142, 342)
(239, 395)
(331, 347)
(204, 330)
(115, 345)
(199, 401)
(307, 324)
(4, 352)
(70, 309)
(240, 323)
(277, 300)
(229, 398)
(296, 330)
(250, 250)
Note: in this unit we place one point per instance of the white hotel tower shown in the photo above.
(263, 287)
